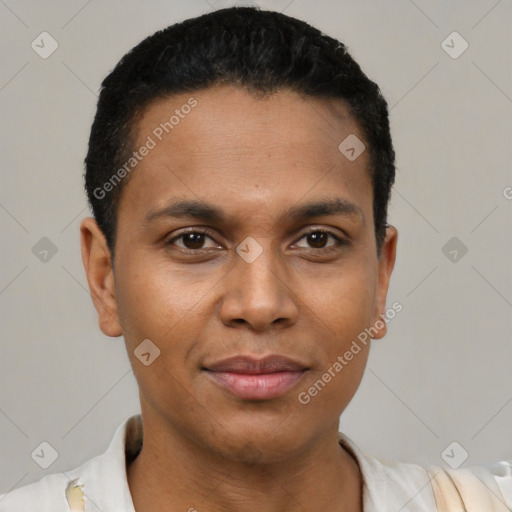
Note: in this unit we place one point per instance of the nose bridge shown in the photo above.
(259, 265)
(257, 292)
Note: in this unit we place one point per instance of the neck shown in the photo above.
(172, 474)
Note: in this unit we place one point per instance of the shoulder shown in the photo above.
(98, 484)
(46, 495)
(486, 487)
(416, 488)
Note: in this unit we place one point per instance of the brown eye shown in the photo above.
(317, 239)
(192, 240)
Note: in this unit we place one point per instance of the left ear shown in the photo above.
(386, 263)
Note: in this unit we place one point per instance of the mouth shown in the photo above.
(256, 379)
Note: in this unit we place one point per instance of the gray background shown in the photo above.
(442, 374)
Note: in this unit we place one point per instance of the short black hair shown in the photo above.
(262, 51)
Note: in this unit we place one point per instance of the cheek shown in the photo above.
(344, 310)
(154, 304)
(330, 388)
(345, 301)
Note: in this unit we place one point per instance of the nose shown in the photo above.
(259, 294)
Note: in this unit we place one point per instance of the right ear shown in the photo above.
(100, 276)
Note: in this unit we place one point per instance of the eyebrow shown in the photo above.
(199, 210)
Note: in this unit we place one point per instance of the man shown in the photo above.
(239, 170)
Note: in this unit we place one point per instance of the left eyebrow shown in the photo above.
(335, 206)
(210, 213)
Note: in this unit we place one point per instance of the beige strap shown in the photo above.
(475, 494)
(464, 491)
(445, 493)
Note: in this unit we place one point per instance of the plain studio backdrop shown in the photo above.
(443, 373)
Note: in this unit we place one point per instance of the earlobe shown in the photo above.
(386, 264)
(100, 276)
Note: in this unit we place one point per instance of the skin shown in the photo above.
(255, 159)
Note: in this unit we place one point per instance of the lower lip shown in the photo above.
(262, 386)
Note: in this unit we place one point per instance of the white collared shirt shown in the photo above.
(387, 486)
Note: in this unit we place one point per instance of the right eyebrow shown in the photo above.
(187, 208)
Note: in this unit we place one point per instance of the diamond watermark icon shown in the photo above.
(44, 250)
(454, 45)
(44, 45)
(351, 147)
(454, 249)
(249, 249)
(146, 352)
(454, 455)
(45, 455)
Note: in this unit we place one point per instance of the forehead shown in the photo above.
(281, 117)
(225, 143)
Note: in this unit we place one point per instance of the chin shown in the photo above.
(263, 446)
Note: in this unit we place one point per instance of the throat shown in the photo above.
(338, 488)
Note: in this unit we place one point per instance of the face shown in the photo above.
(246, 253)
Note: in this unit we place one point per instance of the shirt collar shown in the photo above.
(104, 478)
(386, 483)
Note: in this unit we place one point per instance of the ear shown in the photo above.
(100, 276)
(386, 263)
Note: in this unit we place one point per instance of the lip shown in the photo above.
(256, 379)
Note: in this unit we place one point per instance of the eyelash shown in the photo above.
(339, 241)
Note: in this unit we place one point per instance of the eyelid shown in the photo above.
(185, 231)
(340, 240)
(324, 229)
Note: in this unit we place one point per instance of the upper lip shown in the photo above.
(252, 365)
